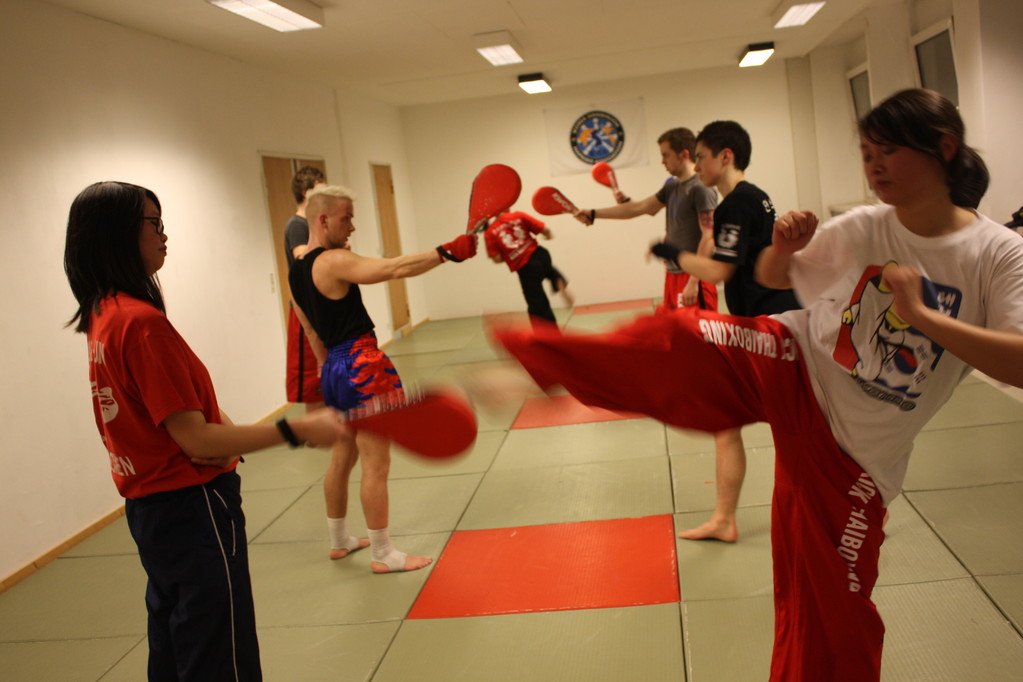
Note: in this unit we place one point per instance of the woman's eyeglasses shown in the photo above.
(157, 224)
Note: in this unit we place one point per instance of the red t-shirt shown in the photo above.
(511, 237)
(142, 371)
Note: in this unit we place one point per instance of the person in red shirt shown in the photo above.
(173, 451)
(510, 239)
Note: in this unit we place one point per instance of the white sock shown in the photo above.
(384, 551)
(340, 538)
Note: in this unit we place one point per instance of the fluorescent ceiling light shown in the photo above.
(797, 15)
(757, 54)
(498, 48)
(282, 15)
(533, 83)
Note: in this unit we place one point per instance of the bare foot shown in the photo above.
(712, 530)
(394, 563)
(341, 552)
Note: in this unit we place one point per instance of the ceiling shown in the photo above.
(408, 52)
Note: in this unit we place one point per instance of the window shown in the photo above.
(935, 61)
(859, 83)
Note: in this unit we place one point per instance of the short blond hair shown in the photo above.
(334, 191)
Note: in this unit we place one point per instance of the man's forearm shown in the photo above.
(704, 268)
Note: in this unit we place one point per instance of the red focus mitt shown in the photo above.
(461, 247)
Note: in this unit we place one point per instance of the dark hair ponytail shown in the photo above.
(101, 250)
(919, 119)
(968, 177)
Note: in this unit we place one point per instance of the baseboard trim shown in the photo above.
(26, 571)
(33, 566)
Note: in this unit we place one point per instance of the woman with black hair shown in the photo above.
(173, 451)
(901, 301)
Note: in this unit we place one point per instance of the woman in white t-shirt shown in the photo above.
(900, 301)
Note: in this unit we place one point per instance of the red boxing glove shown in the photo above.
(461, 247)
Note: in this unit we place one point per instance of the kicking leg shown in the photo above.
(730, 461)
(559, 285)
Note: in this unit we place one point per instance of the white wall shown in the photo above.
(804, 135)
(890, 50)
(372, 135)
(989, 57)
(989, 60)
(448, 143)
(838, 145)
(85, 101)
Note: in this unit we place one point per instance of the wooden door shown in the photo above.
(387, 214)
(277, 175)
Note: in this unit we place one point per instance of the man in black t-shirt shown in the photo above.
(743, 225)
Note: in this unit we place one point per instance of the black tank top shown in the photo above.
(334, 320)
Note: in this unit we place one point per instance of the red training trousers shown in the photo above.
(675, 282)
(302, 373)
(710, 372)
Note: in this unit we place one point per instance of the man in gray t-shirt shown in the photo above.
(689, 220)
(690, 228)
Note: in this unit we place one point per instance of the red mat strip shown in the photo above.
(561, 410)
(637, 304)
(587, 565)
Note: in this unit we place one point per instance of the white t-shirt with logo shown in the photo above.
(877, 379)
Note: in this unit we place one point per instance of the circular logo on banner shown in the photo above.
(597, 136)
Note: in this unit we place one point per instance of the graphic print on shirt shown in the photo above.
(514, 239)
(108, 408)
(888, 357)
(727, 240)
(107, 403)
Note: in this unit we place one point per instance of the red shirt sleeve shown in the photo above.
(166, 376)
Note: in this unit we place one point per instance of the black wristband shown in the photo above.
(593, 215)
(289, 436)
(447, 255)
(666, 251)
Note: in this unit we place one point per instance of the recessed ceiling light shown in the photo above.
(282, 15)
(498, 48)
(797, 15)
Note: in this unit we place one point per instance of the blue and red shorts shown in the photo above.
(355, 371)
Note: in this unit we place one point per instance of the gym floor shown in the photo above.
(557, 558)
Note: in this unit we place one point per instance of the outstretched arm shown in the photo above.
(792, 232)
(349, 267)
(705, 268)
(631, 209)
(998, 354)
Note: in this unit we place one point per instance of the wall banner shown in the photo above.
(581, 136)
